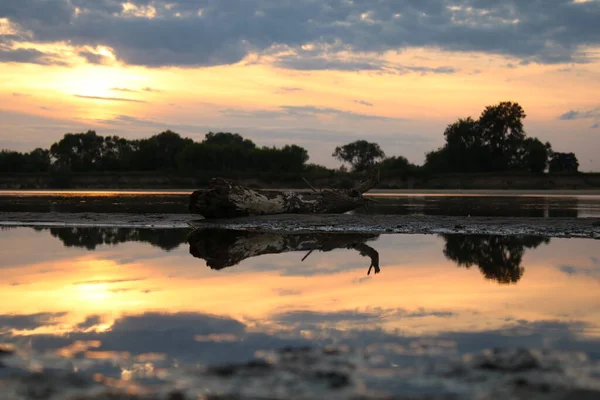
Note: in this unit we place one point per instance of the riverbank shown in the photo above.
(159, 180)
(342, 223)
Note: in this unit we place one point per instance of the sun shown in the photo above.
(101, 81)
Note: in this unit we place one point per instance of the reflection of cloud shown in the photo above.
(197, 323)
(371, 315)
(90, 321)
(208, 339)
(29, 321)
(287, 292)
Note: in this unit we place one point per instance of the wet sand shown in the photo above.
(358, 223)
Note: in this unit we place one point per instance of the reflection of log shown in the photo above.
(223, 248)
(224, 199)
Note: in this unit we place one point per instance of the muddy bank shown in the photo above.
(327, 373)
(415, 224)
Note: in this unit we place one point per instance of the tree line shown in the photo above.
(495, 142)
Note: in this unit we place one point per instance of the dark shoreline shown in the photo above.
(381, 224)
(165, 181)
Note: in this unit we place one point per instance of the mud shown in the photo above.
(333, 373)
(357, 223)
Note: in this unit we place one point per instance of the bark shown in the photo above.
(223, 248)
(226, 199)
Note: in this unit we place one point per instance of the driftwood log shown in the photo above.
(223, 248)
(226, 199)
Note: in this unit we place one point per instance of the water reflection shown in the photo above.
(90, 238)
(134, 308)
(498, 257)
(486, 206)
(450, 203)
(223, 248)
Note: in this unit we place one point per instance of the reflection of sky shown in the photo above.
(137, 298)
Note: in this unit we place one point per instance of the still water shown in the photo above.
(126, 300)
(413, 203)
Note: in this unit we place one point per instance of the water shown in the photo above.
(453, 203)
(143, 305)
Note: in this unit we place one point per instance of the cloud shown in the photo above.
(93, 282)
(288, 89)
(363, 103)
(160, 33)
(108, 98)
(586, 114)
(305, 111)
(309, 62)
(579, 271)
(149, 89)
(29, 56)
(92, 58)
(595, 126)
(120, 89)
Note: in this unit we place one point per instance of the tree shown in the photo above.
(228, 139)
(398, 167)
(80, 152)
(502, 130)
(535, 154)
(494, 142)
(564, 162)
(160, 152)
(361, 155)
(466, 150)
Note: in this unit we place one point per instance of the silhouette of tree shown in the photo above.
(361, 155)
(502, 130)
(498, 257)
(564, 162)
(535, 155)
(494, 142)
(80, 152)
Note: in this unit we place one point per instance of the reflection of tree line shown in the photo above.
(498, 257)
(90, 238)
(534, 207)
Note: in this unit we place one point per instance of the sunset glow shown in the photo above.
(315, 75)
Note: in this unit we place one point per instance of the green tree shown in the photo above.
(361, 155)
(564, 162)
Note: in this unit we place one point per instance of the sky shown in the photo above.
(316, 73)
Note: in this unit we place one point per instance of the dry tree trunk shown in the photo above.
(223, 248)
(225, 199)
